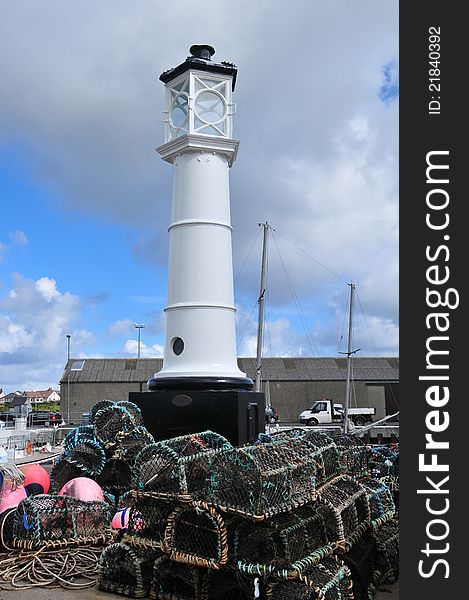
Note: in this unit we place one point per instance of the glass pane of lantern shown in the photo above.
(178, 114)
(210, 107)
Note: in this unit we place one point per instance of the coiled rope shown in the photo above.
(50, 568)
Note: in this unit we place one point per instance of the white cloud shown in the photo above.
(18, 238)
(35, 317)
(131, 349)
(121, 327)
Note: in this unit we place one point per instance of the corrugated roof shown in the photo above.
(124, 370)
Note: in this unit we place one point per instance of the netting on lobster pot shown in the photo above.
(228, 584)
(353, 452)
(115, 477)
(380, 498)
(163, 467)
(329, 580)
(126, 571)
(110, 421)
(322, 446)
(361, 560)
(99, 406)
(346, 510)
(147, 519)
(133, 409)
(77, 435)
(387, 548)
(63, 471)
(261, 480)
(86, 454)
(175, 581)
(130, 443)
(196, 535)
(384, 460)
(283, 546)
(59, 521)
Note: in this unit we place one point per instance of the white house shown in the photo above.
(41, 396)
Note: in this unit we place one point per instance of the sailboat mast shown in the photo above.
(348, 388)
(261, 300)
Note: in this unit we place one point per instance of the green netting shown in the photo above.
(52, 521)
(387, 547)
(353, 453)
(382, 506)
(348, 502)
(126, 571)
(175, 581)
(63, 471)
(129, 443)
(329, 580)
(110, 421)
(283, 546)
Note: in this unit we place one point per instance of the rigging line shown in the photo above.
(312, 258)
(309, 337)
(240, 337)
(247, 256)
(375, 350)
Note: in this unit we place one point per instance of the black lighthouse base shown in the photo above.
(238, 415)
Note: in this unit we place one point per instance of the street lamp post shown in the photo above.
(68, 377)
(139, 326)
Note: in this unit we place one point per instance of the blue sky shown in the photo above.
(85, 199)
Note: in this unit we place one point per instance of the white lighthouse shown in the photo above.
(200, 340)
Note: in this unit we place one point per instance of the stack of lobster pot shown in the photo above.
(207, 520)
(105, 450)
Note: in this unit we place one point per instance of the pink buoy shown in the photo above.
(10, 498)
(82, 488)
(36, 474)
(121, 519)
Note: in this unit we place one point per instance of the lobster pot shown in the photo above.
(125, 570)
(382, 506)
(323, 448)
(393, 485)
(51, 521)
(99, 406)
(86, 454)
(133, 409)
(387, 547)
(329, 580)
(284, 546)
(384, 460)
(115, 477)
(228, 584)
(77, 435)
(353, 454)
(347, 500)
(196, 535)
(175, 581)
(361, 559)
(130, 443)
(147, 522)
(110, 421)
(167, 466)
(262, 480)
(63, 471)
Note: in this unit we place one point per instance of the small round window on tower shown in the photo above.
(178, 346)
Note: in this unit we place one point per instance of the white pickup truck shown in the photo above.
(327, 412)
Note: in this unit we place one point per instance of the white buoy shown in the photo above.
(200, 338)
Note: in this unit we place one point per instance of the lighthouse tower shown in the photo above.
(200, 386)
(200, 340)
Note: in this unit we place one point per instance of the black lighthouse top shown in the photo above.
(200, 59)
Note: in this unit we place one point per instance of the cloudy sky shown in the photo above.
(85, 199)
